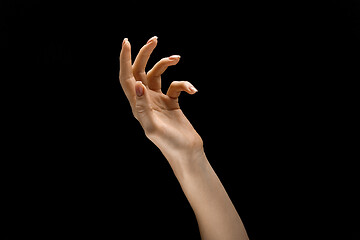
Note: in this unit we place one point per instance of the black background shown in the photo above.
(275, 109)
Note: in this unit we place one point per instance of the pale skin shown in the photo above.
(167, 127)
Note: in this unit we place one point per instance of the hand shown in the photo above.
(159, 114)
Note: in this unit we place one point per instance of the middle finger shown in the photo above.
(142, 59)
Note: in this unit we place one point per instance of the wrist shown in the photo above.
(183, 155)
(188, 162)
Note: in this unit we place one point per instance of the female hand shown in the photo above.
(159, 114)
(165, 125)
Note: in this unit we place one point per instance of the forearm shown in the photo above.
(216, 215)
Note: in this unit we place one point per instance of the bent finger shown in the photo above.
(154, 75)
(142, 59)
(177, 87)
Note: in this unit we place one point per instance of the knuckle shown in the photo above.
(138, 74)
(179, 84)
(176, 83)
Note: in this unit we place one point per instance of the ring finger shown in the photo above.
(154, 75)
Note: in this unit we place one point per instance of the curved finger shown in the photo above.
(142, 59)
(154, 75)
(177, 87)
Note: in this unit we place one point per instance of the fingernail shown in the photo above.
(174, 57)
(193, 89)
(139, 90)
(124, 41)
(152, 39)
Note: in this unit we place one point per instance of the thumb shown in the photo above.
(143, 111)
(142, 101)
(139, 88)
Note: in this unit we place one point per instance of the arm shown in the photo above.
(216, 216)
(167, 127)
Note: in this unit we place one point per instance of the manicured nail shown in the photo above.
(193, 89)
(174, 57)
(124, 41)
(152, 39)
(139, 89)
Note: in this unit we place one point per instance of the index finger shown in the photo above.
(126, 77)
(125, 61)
